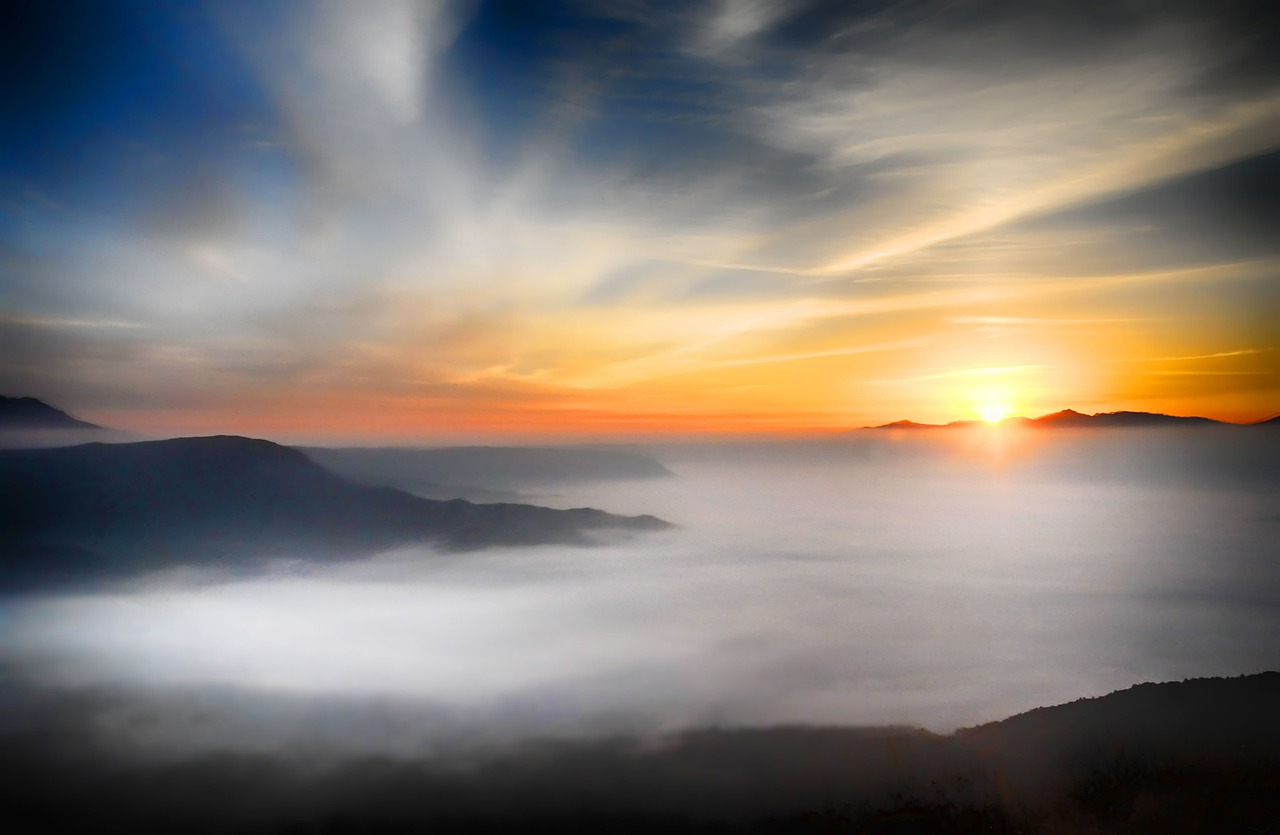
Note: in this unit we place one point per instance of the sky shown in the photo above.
(625, 218)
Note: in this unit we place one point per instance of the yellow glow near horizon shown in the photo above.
(994, 412)
(994, 403)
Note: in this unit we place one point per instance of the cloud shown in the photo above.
(1217, 355)
(982, 152)
(731, 22)
(965, 372)
(53, 322)
(1033, 320)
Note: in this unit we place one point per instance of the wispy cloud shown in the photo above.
(1037, 320)
(1202, 373)
(56, 322)
(962, 372)
(1220, 354)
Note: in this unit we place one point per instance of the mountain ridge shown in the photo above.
(1070, 418)
(226, 499)
(32, 413)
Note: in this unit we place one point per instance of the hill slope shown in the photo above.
(145, 505)
(1182, 768)
(30, 413)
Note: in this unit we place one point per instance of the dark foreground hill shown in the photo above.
(1201, 756)
(112, 509)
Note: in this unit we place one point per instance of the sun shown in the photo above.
(993, 403)
(994, 412)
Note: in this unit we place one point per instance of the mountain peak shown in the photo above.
(1123, 418)
(115, 510)
(1064, 416)
(1073, 419)
(907, 424)
(30, 413)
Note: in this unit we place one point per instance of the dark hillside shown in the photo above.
(158, 503)
(1184, 757)
(30, 413)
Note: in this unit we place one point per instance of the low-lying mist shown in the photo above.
(920, 581)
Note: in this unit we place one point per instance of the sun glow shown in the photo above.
(993, 403)
(994, 412)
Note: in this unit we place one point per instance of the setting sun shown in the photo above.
(994, 412)
(994, 403)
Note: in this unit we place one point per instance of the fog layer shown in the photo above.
(938, 583)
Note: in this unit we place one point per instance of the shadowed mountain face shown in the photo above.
(29, 413)
(26, 422)
(1191, 757)
(159, 503)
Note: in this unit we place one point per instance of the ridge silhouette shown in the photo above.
(30, 413)
(1070, 418)
(108, 510)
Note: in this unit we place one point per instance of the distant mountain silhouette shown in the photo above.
(911, 424)
(111, 509)
(1071, 419)
(30, 413)
(1198, 756)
